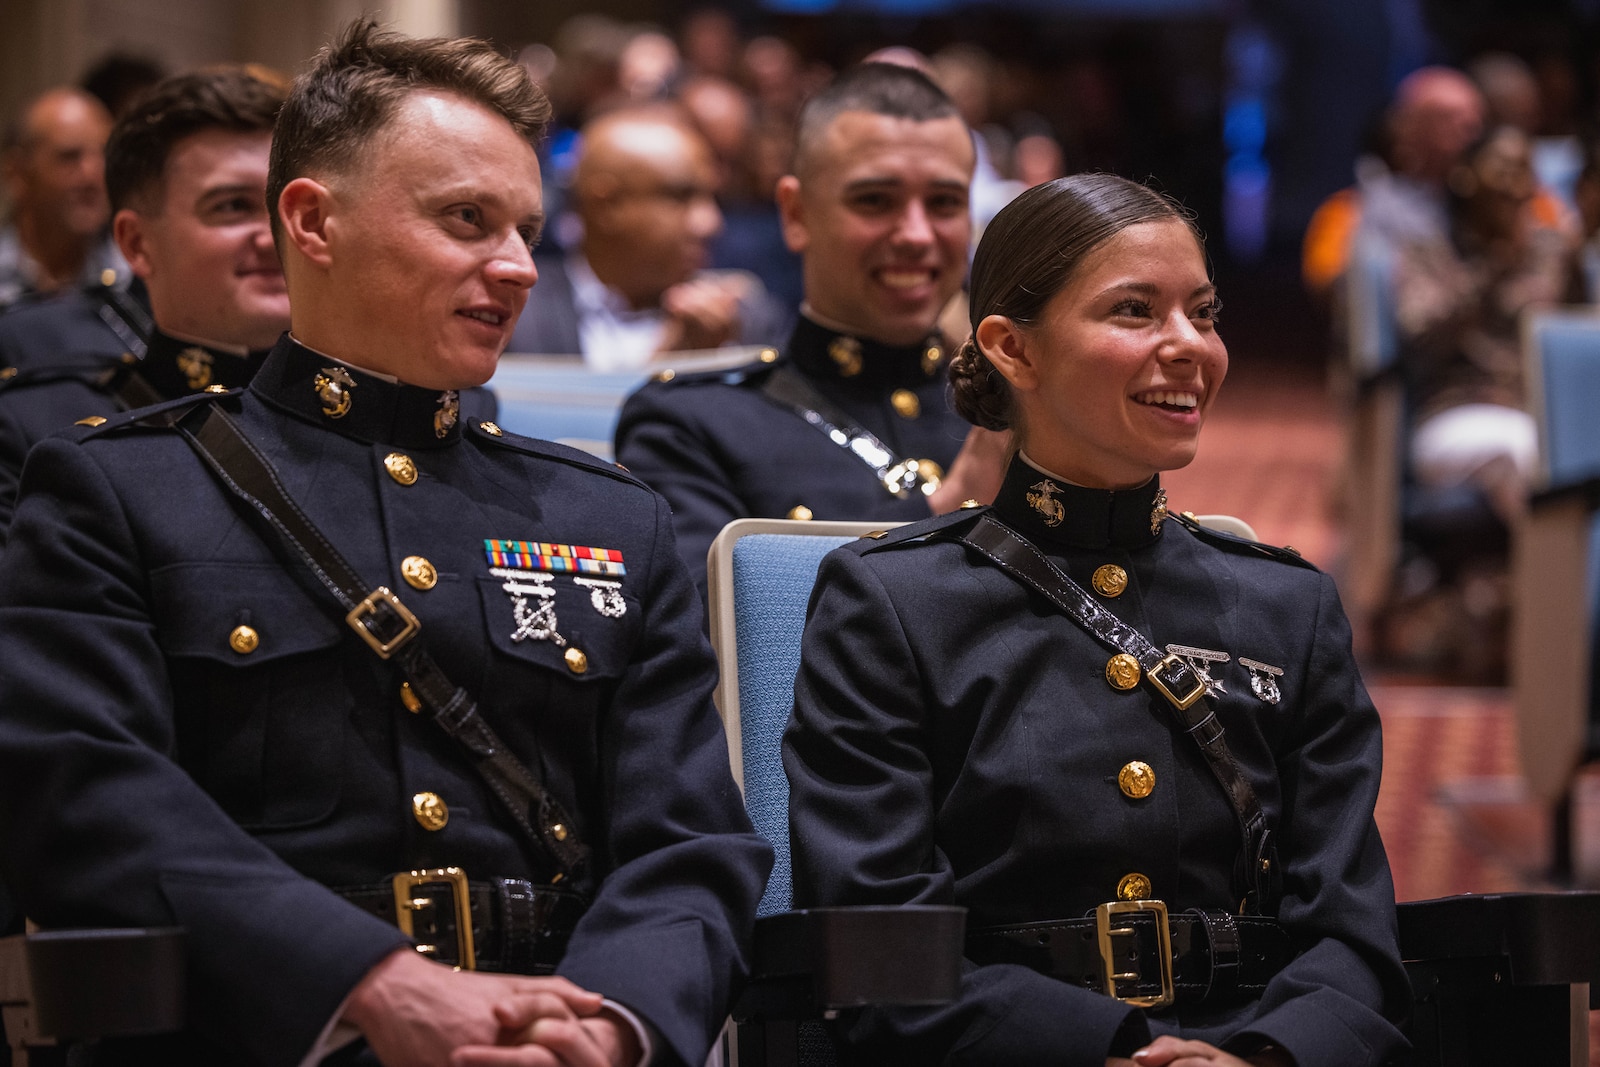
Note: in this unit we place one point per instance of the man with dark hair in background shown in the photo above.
(53, 160)
(187, 176)
(220, 716)
(851, 421)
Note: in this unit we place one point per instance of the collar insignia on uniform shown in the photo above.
(846, 355)
(449, 410)
(1264, 679)
(1158, 511)
(548, 556)
(1041, 498)
(932, 356)
(538, 623)
(333, 388)
(1197, 658)
(195, 364)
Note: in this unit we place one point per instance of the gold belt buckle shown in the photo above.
(1105, 932)
(405, 905)
(364, 611)
(1185, 702)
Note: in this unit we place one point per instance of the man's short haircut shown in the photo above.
(233, 98)
(877, 88)
(356, 85)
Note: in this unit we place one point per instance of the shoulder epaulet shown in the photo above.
(155, 417)
(754, 371)
(1231, 543)
(490, 433)
(940, 527)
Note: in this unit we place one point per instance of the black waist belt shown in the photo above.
(497, 924)
(1136, 953)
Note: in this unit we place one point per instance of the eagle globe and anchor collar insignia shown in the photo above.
(335, 388)
(529, 568)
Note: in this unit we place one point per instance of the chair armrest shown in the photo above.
(818, 960)
(74, 985)
(1544, 938)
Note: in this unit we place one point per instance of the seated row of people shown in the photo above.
(216, 711)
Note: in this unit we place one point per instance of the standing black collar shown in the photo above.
(352, 402)
(175, 368)
(825, 354)
(1054, 513)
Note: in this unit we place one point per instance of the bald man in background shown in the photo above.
(54, 166)
(634, 287)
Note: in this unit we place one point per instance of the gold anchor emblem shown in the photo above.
(449, 410)
(333, 387)
(1042, 500)
(846, 355)
(195, 365)
(1158, 512)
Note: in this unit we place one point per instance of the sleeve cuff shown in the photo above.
(641, 1029)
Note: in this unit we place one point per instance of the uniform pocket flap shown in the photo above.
(583, 628)
(239, 613)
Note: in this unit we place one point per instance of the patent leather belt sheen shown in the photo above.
(495, 924)
(1211, 956)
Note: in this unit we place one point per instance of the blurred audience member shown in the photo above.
(54, 166)
(710, 42)
(1459, 298)
(118, 79)
(649, 66)
(1512, 93)
(635, 285)
(964, 72)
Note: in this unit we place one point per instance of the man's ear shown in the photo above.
(133, 241)
(791, 212)
(1006, 345)
(305, 214)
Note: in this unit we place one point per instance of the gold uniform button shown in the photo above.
(216, 388)
(666, 375)
(491, 429)
(559, 832)
(409, 699)
(969, 503)
(92, 420)
(800, 512)
(905, 403)
(1137, 779)
(244, 640)
(1109, 580)
(401, 467)
(7, 373)
(577, 662)
(430, 810)
(418, 573)
(108, 277)
(1134, 886)
(768, 355)
(1122, 671)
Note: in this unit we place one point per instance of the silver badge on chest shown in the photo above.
(605, 596)
(1197, 659)
(1263, 679)
(535, 623)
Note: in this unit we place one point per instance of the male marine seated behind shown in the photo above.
(196, 735)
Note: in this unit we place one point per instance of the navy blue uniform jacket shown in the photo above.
(154, 775)
(719, 449)
(955, 741)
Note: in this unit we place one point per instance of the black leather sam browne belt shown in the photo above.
(1134, 951)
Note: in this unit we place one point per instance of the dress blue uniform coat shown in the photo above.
(154, 775)
(955, 741)
(720, 449)
(86, 326)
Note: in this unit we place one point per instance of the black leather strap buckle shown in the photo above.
(383, 622)
(1174, 662)
(1106, 933)
(408, 901)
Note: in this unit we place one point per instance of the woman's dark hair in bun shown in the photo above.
(1029, 252)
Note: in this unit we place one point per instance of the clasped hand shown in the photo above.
(416, 1013)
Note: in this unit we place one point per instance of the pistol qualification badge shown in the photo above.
(333, 388)
(195, 365)
(1197, 658)
(1263, 679)
(449, 410)
(1041, 498)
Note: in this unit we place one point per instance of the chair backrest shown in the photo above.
(1373, 334)
(760, 575)
(560, 398)
(1561, 350)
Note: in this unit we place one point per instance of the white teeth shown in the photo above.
(904, 279)
(1182, 400)
(484, 316)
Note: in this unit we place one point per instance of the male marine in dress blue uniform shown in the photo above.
(94, 325)
(851, 420)
(1002, 759)
(197, 736)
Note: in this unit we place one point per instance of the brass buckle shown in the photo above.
(405, 904)
(1105, 932)
(1185, 702)
(359, 617)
